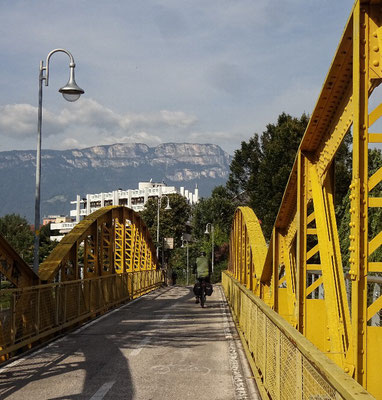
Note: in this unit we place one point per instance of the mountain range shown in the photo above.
(105, 168)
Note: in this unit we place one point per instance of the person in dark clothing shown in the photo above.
(202, 270)
(174, 275)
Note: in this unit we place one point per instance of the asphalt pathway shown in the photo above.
(161, 346)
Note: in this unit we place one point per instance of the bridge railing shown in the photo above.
(285, 364)
(33, 313)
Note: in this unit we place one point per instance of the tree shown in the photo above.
(217, 210)
(374, 214)
(279, 145)
(46, 245)
(342, 170)
(18, 233)
(261, 167)
(244, 167)
(172, 222)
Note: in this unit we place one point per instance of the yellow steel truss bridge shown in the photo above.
(107, 259)
(299, 276)
(308, 327)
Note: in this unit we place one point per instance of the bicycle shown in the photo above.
(202, 296)
(202, 289)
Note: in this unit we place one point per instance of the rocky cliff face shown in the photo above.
(105, 168)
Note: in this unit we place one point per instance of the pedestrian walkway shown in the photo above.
(161, 346)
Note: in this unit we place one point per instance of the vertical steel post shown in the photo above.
(187, 261)
(38, 175)
(359, 192)
(213, 248)
(158, 214)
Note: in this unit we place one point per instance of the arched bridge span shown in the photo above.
(107, 259)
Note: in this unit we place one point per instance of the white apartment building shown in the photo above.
(132, 198)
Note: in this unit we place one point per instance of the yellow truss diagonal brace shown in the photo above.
(314, 286)
(375, 243)
(332, 274)
(375, 179)
(374, 308)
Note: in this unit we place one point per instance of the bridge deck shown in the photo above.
(163, 346)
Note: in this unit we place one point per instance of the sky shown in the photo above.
(159, 71)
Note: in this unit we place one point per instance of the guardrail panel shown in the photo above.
(285, 364)
(30, 314)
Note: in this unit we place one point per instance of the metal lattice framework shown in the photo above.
(300, 274)
(111, 240)
(107, 259)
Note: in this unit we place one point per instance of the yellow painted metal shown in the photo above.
(113, 239)
(338, 317)
(119, 247)
(252, 255)
(106, 259)
(301, 274)
(63, 305)
(284, 363)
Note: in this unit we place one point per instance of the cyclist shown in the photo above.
(202, 270)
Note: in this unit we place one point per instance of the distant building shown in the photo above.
(50, 218)
(60, 225)
(132, 198)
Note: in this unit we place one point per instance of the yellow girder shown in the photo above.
(302, 276)
(110, 239)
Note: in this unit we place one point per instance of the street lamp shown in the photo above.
(71, 92)
(210, 229)
(166, 208)
(186, 241)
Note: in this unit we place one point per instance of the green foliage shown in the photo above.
(374, 214)
(19, 235)
(178, 263)
(46, 245)
(172, 223)
(245, 167)
(262, 166)
(343, 168)
(217, 210)
(279, 144)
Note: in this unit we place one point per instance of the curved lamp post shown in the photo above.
(71, 92)
(186, 241)
(166, 208)
(210, 229)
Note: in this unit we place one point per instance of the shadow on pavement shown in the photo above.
(100, 352)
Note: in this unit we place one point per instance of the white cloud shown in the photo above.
(18, 119)
(163, 70)
(88, 123)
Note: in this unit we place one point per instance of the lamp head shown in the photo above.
(207, 232)
(71, 91)
(168, 207)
